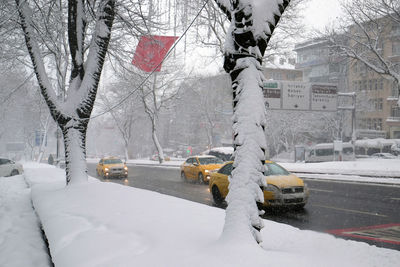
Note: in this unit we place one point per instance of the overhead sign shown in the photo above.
(292, 95)
(324, 97)
(272, 95)
(296, 95)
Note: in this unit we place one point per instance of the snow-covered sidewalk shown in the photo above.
(21, 242)
(107, 224)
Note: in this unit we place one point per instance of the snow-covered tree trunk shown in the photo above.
(252, 24)
(73, 115)
(42, 147)
(156, 142)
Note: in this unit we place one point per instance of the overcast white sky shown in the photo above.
(319, 13)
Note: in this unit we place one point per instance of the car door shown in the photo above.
(191, 167)
(221, 178)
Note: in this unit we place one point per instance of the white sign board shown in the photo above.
(272, 94)
(324, 97)
(292, 95)
(295, 95)
(337, 145)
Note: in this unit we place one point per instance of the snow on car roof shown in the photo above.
(222, 149)
(204, 156)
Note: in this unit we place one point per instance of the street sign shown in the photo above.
(292, 95)
(272, 95)
(296, 95)
(324, 97)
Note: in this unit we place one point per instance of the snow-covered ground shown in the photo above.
(107, 224)
(21, 242)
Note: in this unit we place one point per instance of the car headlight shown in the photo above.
(106, 169)
(126, 168)
(206, 171)
(272, 188)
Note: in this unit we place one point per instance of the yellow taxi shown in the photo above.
(198, 168)
(283, 188)
(111, 167)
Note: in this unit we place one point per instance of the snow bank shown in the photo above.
(368, 167)
(107, 224)
(21, 243)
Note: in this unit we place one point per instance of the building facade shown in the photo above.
(377, 114)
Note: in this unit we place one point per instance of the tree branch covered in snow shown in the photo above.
(367, 26)
(72, 116)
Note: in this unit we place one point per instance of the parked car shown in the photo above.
(224, 153)
(9, 167)
(283, 188)
(198, 168)
(383, 156)
(111, 167)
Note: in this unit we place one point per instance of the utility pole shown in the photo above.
(351, 107)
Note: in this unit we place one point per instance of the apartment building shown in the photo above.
(377, 95)
(377, 114)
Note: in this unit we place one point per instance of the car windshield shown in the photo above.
(274, 169)
(112, 161)
(206, 161)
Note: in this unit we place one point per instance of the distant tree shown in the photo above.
(252, 24)
(124, 116)
(155, 96)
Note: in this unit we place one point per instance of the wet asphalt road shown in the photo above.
(332, 204)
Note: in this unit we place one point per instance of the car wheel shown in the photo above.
(14, 172)
(218, 199)
(201, 178)
(183, 176)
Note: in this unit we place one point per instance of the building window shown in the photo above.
(378, 103)
(395, 89)
(395, 112)
(364, 85)
(395, 29)
(395, 48)
(380, 84)
(379, 127)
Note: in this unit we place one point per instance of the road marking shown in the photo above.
(349, 182)
(395, 198)
(389, 233)
(320, 190)
(348, 210)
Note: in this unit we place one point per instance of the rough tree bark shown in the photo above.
(73, 115)
(247, 40)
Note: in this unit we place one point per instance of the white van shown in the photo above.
(325, 152)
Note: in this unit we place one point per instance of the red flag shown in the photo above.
(151, 51)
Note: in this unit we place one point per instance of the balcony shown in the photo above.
(393, 121)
